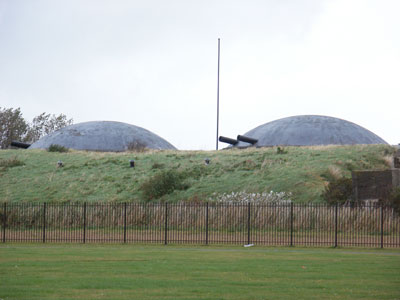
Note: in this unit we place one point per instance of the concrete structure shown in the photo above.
(103, 136)
(396, 158)
(308, 130)
(374, 185)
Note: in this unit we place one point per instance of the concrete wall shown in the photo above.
(396, 178)
(396, 159)
(374, 184)
(396, 162)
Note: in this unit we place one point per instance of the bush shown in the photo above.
(57, 148)
(280, 150)
(394, 200)
(339, 190)
(162, 183)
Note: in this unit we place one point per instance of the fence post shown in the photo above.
(44, 222)
(248, 223)
(381, 225)
(206, 223)
(291, 224)
(336, 223)
(166, 224)
(125, 222)
(84, 222)
(4, 221)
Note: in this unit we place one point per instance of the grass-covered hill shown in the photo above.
(33, 175)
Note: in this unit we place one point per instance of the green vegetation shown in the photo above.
(394, 199)
(107, 177)
(10, 163)
(57, 148)
(339, 190)
(182, 272)
(162, 183)
(13, 127)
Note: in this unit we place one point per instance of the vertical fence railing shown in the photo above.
(291, 224)
(207, 223)
(84, 222)
(248, 223)
(336, 225)
(381, 226)
(166, 224)
(124, 223)
(44, 222)
(204, 223)
(4, 221)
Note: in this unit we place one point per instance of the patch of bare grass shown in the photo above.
(335, 172)
(388, 159)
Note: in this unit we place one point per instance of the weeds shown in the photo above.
(280, 150)
(245, 197)
(10, 163)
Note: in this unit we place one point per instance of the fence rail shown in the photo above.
(204, 223)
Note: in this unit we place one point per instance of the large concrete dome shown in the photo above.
(311, 130)
(102, 136)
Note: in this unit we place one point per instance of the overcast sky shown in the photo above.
(154, 63)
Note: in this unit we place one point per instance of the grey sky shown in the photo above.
(154, 63)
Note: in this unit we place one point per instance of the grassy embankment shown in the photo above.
(106, 177)
(172, 272)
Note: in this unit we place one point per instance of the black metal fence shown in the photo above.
(201, 223)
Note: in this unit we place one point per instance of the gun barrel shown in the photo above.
(20, 144)
(247, 139)
(227, 140)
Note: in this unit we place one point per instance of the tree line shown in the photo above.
(13, 126)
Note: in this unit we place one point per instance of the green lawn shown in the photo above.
(199, 272)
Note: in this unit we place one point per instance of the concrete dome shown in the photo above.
(102, 136)
(311, 130)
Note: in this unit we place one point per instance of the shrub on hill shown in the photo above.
(339, 190)
(163, 183)
(280, 150)
(57, 148)
(394, 200)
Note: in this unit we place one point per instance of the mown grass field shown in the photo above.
(106, 177)
(173, 272)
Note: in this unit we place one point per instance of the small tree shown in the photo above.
(12, 126)
(44, 124)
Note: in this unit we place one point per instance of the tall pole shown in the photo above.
(218, 96)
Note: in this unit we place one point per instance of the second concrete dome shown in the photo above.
(102, 136)
(308, 130)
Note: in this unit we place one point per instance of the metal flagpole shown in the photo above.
(218, 96)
